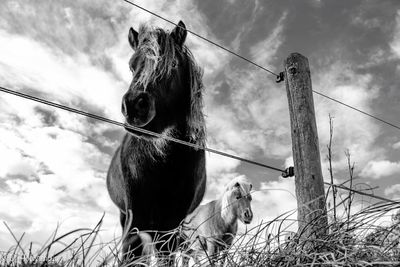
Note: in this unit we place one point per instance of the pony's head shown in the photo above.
(236, 201)
(396, 217)
(166, 89)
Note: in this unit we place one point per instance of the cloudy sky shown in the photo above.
(54, 163)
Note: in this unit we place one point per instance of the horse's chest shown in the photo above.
(161, 192)
(175, 173)
(164, 189)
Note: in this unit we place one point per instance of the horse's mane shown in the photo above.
(156, 42)
(244, 187)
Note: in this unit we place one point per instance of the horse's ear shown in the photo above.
(179, 33)
(133, 38)
(237, 184)
(251, 186)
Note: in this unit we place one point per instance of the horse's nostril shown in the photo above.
(248, 214)
(142, 104)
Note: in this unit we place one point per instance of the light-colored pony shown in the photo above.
(211, 228)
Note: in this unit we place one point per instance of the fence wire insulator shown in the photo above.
(280, 77)
(289, 172)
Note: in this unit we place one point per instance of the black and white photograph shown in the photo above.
(199, 133)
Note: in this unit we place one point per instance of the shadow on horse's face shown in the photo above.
(159, 95)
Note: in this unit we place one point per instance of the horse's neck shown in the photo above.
(227, 217)
(141, 152)
(151, 147)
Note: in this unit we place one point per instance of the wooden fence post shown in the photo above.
(309, 182)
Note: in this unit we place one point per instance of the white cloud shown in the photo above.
(65, 78)
(36, 210)
(224, 130)
(264, 51)
(396, 145)
(246, 25)
(255, 119)
(14, 163)
(351, 130)
(51, 173)
(217, 164)
(289, 162)
(251, 122)
(395, 43)
(382, 168)
(366, 22)
(272, 195)
(392, 189)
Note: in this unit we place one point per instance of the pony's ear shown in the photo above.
(237, 184)
(251, 186)
(179, 33)
(133, 38)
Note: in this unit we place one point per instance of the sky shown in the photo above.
(54, 163)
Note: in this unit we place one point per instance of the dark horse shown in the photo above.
(159, 182)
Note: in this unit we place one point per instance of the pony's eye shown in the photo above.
(174, 63)
(238, 197)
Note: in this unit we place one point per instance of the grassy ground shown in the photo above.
(354, 240)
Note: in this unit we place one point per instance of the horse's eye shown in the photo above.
(174, 63)
(238, 197)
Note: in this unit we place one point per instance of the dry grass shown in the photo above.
(78, 247)
(352, 240)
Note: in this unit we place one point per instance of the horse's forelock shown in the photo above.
(156, 51)
(244, 185)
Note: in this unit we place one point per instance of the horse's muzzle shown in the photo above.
(247, 216)
(138, 108)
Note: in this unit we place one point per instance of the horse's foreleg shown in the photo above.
(224, 255)
(206, 253)
(185, 260)
(167, 245)
(122, 219)
(132, 247)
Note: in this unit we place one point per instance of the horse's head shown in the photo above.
(238, 200)
(396, 218)
(166, 84)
